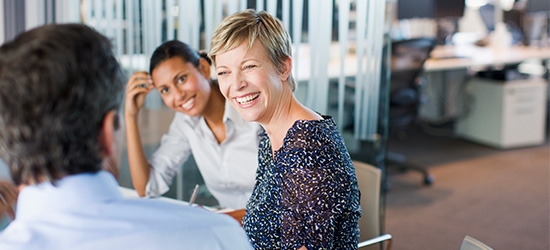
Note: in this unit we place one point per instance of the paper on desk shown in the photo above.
(132, 193)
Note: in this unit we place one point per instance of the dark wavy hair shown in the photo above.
(175, 48)
(57, 83)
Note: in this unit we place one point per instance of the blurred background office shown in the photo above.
(345, 66)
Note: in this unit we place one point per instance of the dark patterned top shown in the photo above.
(307, 194)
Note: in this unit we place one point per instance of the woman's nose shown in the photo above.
(179, 92)
(239, 82)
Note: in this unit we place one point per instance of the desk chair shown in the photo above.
(407, 62)
(369, 179)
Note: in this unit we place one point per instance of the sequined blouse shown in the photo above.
(307, 194)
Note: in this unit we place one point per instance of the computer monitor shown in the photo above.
(538, 6)
(438, 9)
(407, 9)
(449, 8)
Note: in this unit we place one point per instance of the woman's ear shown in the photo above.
(204, 68)
(286, 68)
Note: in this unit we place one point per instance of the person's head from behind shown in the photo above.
(60, 91)
(252, 48)
(182, 77)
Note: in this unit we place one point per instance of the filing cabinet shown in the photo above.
(505, 114)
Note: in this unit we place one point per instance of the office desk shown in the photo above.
(450, 66)
(236, 214)
(443, 58)
(132, 193)
(473, 57)
(447, 68)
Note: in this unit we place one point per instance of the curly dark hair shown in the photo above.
(57, 83)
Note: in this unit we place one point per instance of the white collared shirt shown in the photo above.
(228, 169)
(87, 211)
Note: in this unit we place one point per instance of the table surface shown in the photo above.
(237, 214)
(468, 56)
(442, 58)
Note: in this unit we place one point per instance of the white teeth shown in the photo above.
(247, 99)
(188, 104)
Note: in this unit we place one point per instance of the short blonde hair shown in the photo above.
(249, 25)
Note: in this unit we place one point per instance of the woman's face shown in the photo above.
(250, 81)
(182, 86)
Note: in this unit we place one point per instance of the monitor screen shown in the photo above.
(407, 9)
(430, 9)
(449, 8)
(538, 5)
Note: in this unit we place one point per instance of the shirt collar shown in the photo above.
(192, 120)
(69, 193)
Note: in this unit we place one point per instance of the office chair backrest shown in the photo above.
(469, 243)
(407, 64)
(407, 60)
(369, 181)
(411, 53)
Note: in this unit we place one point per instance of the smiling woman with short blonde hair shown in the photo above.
(306, 194)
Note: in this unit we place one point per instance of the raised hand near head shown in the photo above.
(137, 88)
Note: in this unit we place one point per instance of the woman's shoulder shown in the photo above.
(315, 136)
(313, 130)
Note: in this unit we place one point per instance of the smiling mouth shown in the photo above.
(247, 99)
(188, 104)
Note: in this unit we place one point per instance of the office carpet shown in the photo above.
(500, 197)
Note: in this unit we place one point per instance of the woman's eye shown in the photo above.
(163, 90)
(221, 73)
(181, 79)
(249, 66)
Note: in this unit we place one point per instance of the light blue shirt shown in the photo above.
(87, 211)
(228, 168)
